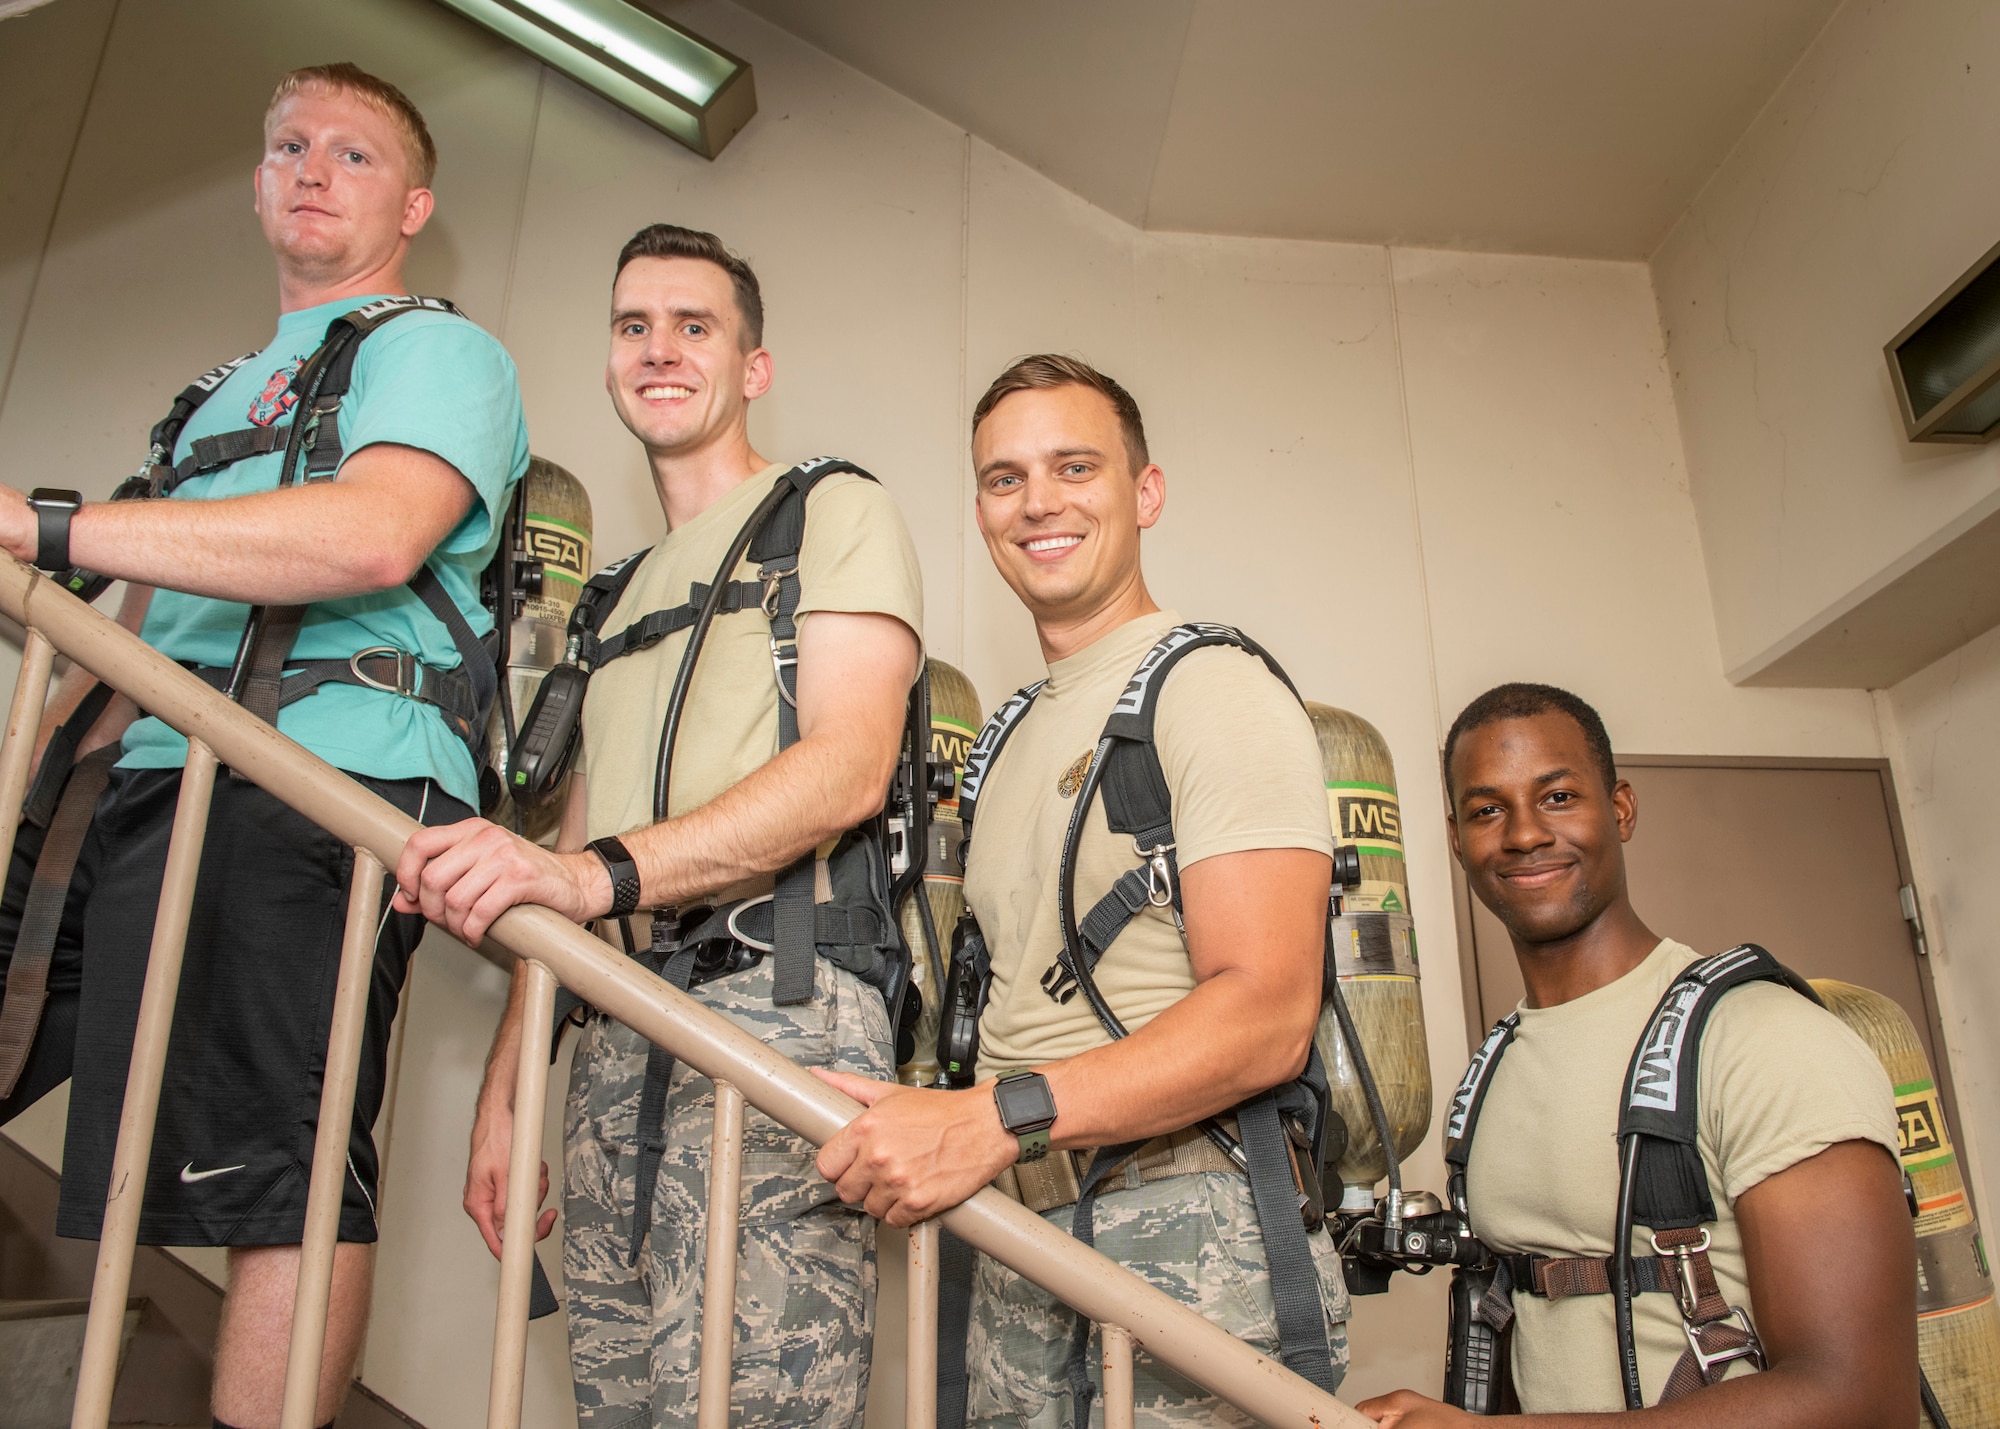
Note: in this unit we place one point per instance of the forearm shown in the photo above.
(503, 1062)
(1786, 1396)
(817, 789)
(1202, 1055)
(275, 547)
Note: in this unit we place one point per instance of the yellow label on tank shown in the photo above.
(564, 553)
(1367, 816)
(1920, 1130)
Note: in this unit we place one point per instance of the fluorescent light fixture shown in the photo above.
(673, 79)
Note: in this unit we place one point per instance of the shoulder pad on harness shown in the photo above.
(1136, 798)
(785, 530)
(601, 594)
(1663, 1083)
(979, 759)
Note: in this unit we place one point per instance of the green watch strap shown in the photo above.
(1034, 1146)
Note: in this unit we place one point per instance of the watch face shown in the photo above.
(1025, 1103)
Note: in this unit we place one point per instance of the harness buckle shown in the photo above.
(409, 676)
(738, 934)
(781, 662)
(1686, 1291)
(1751, 1349)
(1159, 873)
(773, 582)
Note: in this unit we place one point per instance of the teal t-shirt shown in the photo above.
(426, 380)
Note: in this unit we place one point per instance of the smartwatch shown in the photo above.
(53, 509)
(1027, 1110)
(624, 871)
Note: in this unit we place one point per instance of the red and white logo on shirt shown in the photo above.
(277, 397)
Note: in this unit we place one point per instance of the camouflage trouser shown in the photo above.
(805, 1289)
(1196, 1238)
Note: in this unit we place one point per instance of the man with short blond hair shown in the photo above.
(361, 538)
(1214, 976)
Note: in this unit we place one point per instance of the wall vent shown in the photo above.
(1946, 364)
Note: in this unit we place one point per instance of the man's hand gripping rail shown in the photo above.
(1094, 1285)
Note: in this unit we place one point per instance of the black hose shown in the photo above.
(1073, 940)
(677, 699)
(1621, 1276)
(1366, 1075)
(1930, 1401)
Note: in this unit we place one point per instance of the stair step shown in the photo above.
(41, 1344)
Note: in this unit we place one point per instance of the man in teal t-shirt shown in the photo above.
(408, 505)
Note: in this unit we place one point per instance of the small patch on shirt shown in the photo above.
(1072, 777)
(277, 398)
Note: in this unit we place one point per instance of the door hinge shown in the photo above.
(1913, 915)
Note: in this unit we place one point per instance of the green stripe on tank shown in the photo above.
(558, 521)
(1908, 1087)
(1361, 784)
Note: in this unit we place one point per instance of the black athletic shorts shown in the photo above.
(239, 1103)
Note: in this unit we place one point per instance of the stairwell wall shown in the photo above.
(1412, 474)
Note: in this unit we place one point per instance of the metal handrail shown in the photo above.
(219, 730)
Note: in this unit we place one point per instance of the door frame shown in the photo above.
(1476, 1024)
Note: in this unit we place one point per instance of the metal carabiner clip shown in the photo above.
(781, 662)
(1159, 874)
(1687, 1292)
(773, 581)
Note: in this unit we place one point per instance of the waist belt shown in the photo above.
(1057, 1179)
(1551, 1277)
(1718, 1333)
(381, 667)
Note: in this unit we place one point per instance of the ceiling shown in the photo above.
(1575, 127)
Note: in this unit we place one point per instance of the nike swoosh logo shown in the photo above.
(189, 1175)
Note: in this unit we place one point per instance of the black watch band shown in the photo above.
(1027, 1110)
(624, 871)
(53, 510)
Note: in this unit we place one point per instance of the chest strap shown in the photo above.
(649, 630)
(1662, 1182)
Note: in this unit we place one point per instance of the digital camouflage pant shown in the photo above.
(805, 1289)
(1196, 1238)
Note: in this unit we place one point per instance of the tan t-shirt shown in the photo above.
(1781, 1080)
(1244, 772)
(857, 557)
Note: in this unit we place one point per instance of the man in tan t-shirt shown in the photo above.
(1796, 1131)
(686, 362)
(1217, 1016)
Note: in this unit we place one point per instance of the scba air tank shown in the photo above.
(1958, 1326)
(1374, 952)
(955, 721)
(548, 546)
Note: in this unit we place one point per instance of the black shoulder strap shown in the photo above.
(600, 596)
(323, 379)
(1466, 1102)
(979, 759)
(1662, 1085)
(312, 447)
(166, 434)
(1126, 765)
